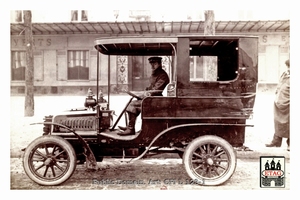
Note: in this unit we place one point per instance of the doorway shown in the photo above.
(141, 71)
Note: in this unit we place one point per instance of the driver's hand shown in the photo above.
(146, 94)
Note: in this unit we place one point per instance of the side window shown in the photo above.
(78, 65)
(213, 60)
(203, 68)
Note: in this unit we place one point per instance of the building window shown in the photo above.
(84, 15)
(74, 15)
(77, 15)
(18, 64)
(78, 65)
(18, 16)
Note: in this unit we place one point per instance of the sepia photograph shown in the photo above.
(149, 99)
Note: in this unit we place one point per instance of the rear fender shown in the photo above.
(170, 131)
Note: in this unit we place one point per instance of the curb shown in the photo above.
(256, 154)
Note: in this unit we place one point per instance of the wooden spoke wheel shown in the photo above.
(209, 160)
(49, 160)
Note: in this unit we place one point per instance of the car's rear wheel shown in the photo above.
(209, 160)
(49, 160)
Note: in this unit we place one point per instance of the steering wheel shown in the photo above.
(133, 95)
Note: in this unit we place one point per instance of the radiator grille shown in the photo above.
(77, 123)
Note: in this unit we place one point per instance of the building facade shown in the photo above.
(65, 60)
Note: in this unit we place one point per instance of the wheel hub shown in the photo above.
(209, 161)
(48, 161)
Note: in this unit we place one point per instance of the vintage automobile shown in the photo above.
(201, 117)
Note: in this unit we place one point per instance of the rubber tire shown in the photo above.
(49, 139)
(211, 139)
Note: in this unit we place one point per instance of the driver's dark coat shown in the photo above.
(159, 79)
(282, 107)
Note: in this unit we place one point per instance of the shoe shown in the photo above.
(273, 145)
(276, 142)
(128, 131)
(122, 128)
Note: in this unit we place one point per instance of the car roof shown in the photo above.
(152, 45)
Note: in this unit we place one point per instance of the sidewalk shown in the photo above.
(22, 133)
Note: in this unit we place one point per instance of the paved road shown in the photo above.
(146, 174)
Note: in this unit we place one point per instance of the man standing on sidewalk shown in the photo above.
(282, 110)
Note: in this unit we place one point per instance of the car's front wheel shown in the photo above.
(49, 160)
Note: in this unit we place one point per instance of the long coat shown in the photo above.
(282, 106)
(159, 79)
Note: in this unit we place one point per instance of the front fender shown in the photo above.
(91, 162)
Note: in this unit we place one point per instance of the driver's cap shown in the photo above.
(154, 59)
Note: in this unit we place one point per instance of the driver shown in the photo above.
(159, 79)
